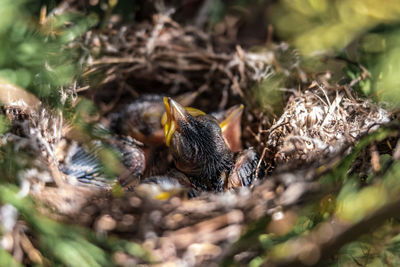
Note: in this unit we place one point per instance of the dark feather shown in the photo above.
(201, 153)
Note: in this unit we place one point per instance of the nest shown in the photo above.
(316, 124)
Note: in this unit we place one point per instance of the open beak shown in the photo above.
(184, 100)
(231, 128)
(175, 112)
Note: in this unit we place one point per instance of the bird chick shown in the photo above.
(142, 118)
(101, 160)
(202, 149)
(196, 143)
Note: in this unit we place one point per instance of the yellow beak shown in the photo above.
(233, 116)
(175, 112)
(231, 128)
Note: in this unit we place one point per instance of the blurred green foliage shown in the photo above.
(7, 260)
(366, 32)
(319, 26)
(34, 54)
(38, 54)
(284, 73)
(386, 70)
(381, 247)
(268, 93)
(219, 9)
(69, 245)
(12, 161)
(4, 124)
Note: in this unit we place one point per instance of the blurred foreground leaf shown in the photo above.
(319, 26)
(7, 260)
(366, 32)
(69, 245)
(35, 54)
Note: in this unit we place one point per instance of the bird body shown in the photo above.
(201, 152)
(122, 156)
(204, 164)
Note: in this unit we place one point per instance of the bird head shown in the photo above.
(196, 142)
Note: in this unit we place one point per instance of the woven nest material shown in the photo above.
(167, 57)
(199, 231)
(319, 122)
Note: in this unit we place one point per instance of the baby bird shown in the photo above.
(200, 151)
(142, 118)
(97, 162)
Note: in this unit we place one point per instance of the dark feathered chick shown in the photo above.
(202, 150)
(89, 163)
(195, 141)
(142, 118)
